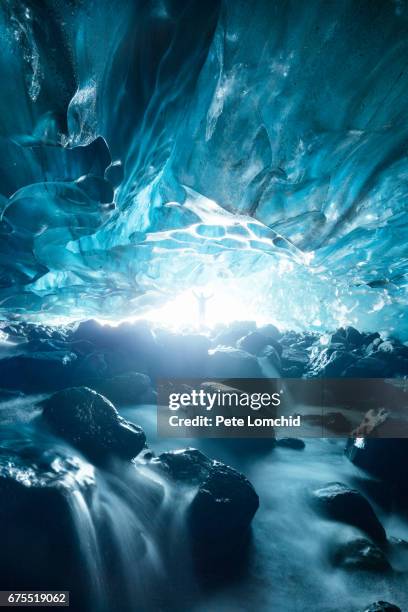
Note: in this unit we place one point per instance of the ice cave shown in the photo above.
(203, 189)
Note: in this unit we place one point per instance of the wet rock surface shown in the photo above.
(382, 606)
(77, 354)
(223, 505)
(63, 507)
(91, 423)
(128, 388)
(39, 542)
(360, 554)
(341, 503)
(384, 458)
(233, 363)
(294, 443)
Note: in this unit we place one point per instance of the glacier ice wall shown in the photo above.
(151, 146)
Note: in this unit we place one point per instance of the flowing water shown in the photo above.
(128, 523)
(131, 530)
(288, 566)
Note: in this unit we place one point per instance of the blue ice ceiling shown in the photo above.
(151, 146)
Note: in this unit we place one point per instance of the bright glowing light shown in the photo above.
(222, 306)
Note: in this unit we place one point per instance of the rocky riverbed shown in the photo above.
(94, 502)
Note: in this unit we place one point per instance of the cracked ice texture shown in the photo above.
(262, 143)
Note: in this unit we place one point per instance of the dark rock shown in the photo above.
(394, 356)
(293, 357)
(39, 371)
(253, 343)
(290, 339)
(127, 388)
(353, 336)
(39, 538)
(272, 355)
(91, 423)
(223, 506)
(15, 333)
(294, 443)
(360, 554)
(190, 465)
(370, 338)
(337, 363)
(233, 363)
(256, 341)
(270, 331)
(231, 334)
(339, 336)
(134, 336)
(382, 606)
(341, 503)
(92, 332)
(367, 367)
(93, 366)
(222, 510)
(398, 554)
(385, 458)
(127, 347)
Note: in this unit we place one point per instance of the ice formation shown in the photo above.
(147, 148)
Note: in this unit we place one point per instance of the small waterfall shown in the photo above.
(130, 532)
(87, 539)
(125, 522)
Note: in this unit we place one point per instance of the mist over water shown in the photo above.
(288, 561)
(128, 525)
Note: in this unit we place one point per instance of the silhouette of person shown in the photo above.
(202, 306)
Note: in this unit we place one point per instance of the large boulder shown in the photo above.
(126, 389)
(131, 346)
(360, 554)
(384, 458)
(368, 367)
(38, 371)
(353, 336)
(41, 496)
(92, 332)
(338, 361)
(270, 331)
(90, 422)
(293, 443)
(93, 366)
(256, 341)
(294, 361)
(230, 335)
(233, 363)
(339, 502)
(223, 505)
